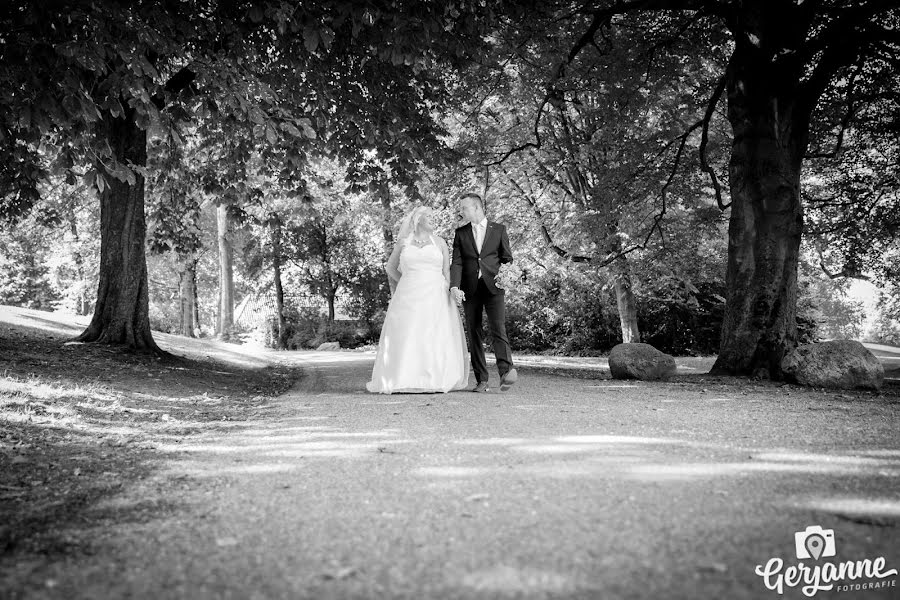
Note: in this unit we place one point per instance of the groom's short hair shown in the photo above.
(475, 197)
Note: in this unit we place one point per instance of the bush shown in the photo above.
(163, 318)
(309, 328)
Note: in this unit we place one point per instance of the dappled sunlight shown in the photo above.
(37, 389)
(881, 452)
(852, 506)
(562, 470)
(315, 357)
(666, 472)
(338, 451)
(824, 458)
(560, 448)
(206, 469)
(612, 386)
(646, 459)
(618, 439)
(292, 442)
(58, 323)
(384, 402)
(449, 471)
(260, 469)
(297, 428)
(504, 579)
(280, 436)
(497, 441)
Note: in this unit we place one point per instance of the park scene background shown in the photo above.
(195, 197)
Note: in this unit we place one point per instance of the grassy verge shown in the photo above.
(79, 422)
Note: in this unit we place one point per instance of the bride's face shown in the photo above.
(426, 221)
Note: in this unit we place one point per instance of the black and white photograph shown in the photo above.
(449, 300)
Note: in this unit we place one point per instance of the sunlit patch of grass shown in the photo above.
(32, 399)
(38, 389)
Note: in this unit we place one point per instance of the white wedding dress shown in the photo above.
(423, 345)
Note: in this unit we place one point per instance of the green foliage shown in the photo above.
(24, 275)
(885, 327)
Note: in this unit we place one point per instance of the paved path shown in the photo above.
(561, 488)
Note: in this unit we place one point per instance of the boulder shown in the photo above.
(329, 346)
(640, 361)
(842, 364)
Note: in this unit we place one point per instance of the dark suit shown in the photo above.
(481, 293)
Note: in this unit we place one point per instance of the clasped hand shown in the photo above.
(457, 294)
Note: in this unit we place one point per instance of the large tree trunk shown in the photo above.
(225, 323)
(122, 310)
(275, 223)
(188, 293)
(770, 138)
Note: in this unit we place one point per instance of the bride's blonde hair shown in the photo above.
(411, 221)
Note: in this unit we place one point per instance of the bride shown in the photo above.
(423, 345)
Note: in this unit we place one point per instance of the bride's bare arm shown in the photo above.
(443, 246)
(393, 266)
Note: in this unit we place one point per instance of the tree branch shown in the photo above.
(704, 140)
(544, 231)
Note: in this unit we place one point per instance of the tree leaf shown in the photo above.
(311, 39)
(307, 127)
(291, 129)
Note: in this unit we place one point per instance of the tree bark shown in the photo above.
(82, 306)
(387, 226)
(770, 137)
(225, 323)
(188, 294)
(122, 311)
(275, 224)
(330, 299)
(626, 303)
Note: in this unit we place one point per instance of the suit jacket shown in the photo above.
(466, 258)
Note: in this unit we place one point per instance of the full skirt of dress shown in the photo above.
(422, 348)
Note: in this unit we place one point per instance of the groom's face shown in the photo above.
(468, 211)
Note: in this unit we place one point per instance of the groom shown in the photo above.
(479, 248)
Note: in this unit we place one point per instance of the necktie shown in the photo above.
(479, 241)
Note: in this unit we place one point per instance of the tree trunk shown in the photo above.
(330, 299)
(387, 225)
(122, 310)
(626, 303)
(82, 306)
(275, 224)
(195, 315)
(188, 294)
(225, 323)
(770, 137)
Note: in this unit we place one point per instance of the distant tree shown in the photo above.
(24, 276)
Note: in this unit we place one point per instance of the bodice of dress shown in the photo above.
(427, 259)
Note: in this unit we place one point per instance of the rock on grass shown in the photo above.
(640, 361)
(841, 364)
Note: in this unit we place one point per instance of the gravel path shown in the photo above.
(564, 487)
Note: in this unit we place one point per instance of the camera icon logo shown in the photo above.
(815, 542)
